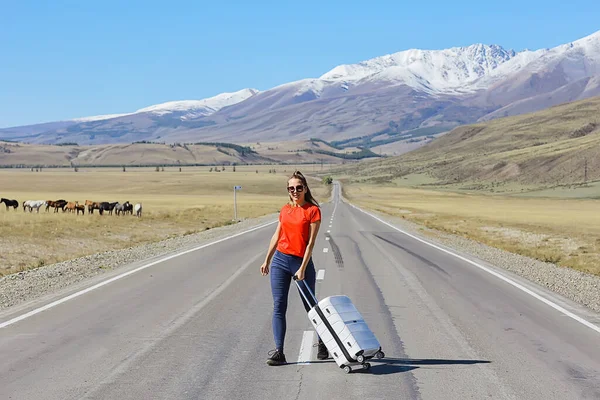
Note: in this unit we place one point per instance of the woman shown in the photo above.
(289, 254)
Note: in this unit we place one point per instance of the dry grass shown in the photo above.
(175, 203)
(562, 231)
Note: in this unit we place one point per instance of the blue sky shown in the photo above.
(68, 59)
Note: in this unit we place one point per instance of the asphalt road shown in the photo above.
(198, 326)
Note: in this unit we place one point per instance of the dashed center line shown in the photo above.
(321, 275)
(308, 337)
(328, 231)
(325, 250)
(327, 238)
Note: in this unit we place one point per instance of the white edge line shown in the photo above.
(496, 274)
(306, 347)
(321, 275)
(106, 282)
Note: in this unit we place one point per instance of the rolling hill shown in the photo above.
(19, 155)
(556, 146)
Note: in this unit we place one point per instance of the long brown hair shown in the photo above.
(308, 195)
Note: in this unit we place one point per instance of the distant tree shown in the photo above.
(179, 169)
(210, 170)
(234, 168)
(76, 169)
(157, 169)
(124, 170)
(257, 171)
(163, 169)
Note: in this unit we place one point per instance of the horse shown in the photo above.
(138, 210)
(56, 204)
(80, 207)
(105, 206)
(31, 204)
(71, 206)
(92, 205)
(128, 208)
(124, 208)
(119, 208)
(9, 203)
(60, 204)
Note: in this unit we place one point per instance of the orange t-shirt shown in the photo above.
(295, 228)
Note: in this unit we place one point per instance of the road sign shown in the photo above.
(235, 189)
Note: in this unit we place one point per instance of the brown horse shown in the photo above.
(70, 207)
(56, 204)
(80, 207)
(92, 205)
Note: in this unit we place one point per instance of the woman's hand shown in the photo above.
(300, 274)
(264, 269)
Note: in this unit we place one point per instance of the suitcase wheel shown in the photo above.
(380, 354)
(347, 369)
(367, 366)
(360, 358)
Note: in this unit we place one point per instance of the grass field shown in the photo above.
(562, 231)
(174, 203)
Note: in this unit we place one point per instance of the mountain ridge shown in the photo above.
(409, 89)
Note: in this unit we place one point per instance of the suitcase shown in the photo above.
(342, 329)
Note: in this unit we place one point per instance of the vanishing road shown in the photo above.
(198, 326)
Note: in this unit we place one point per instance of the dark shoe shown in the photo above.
(277, 358)
(323, 353)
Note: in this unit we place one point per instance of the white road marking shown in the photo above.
(328, 231)
(327, 238)
(321, 275)
(106, 282)
(308, 337)
(325, 250)
(492, 272)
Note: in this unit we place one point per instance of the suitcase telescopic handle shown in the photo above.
(313, 300)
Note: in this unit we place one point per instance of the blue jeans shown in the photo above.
(283, 268)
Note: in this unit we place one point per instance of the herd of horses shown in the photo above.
(69, 206)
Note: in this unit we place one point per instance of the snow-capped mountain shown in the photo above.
(99, 117)
(188, 108)
(198, 108)
(381, 98)
(433, 71)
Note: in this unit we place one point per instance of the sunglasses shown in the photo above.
(298, 188)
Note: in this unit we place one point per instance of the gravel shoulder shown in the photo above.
(20, 288)
(574, 285)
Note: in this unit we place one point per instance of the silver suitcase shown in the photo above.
(342, 328)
